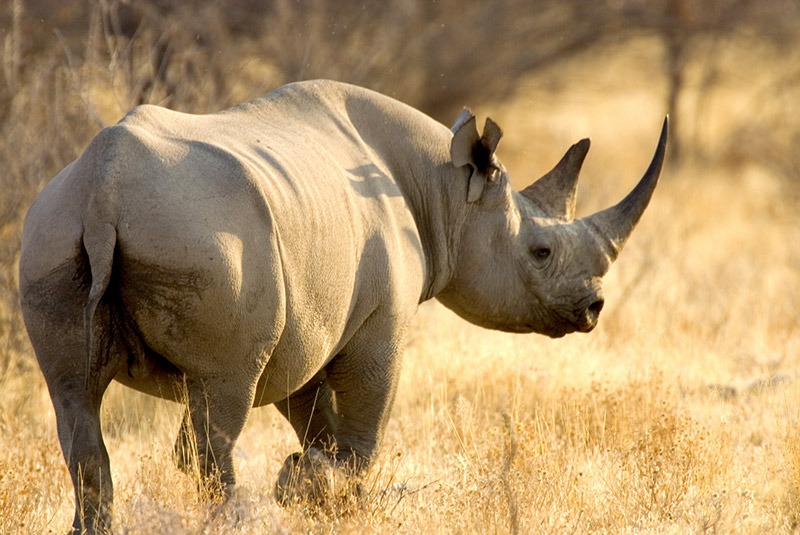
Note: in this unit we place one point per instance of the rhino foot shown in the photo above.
(314, 477)
(98, 524)
(228, 510)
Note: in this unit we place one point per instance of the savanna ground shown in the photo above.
(678, 414)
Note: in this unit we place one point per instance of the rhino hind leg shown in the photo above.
(57, 333)
(216, 414)
(184, 453)
(78, 422)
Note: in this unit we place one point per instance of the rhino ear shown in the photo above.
(468, 148)
(465, 136)
(491, 135)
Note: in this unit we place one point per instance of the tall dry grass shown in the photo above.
(677, 414)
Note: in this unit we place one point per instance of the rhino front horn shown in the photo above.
(615, 224)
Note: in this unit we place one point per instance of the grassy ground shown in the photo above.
(677, 414)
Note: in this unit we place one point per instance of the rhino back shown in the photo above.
(223, 218)
(349, 244)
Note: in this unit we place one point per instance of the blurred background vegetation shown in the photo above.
(677, 414)
(70, 67)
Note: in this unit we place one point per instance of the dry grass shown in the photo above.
(678, 414)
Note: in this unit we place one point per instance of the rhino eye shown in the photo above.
(541, 253)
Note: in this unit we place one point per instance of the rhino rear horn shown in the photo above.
(615, 224)
(555, 192)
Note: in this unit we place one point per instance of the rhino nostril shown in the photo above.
(595, 308)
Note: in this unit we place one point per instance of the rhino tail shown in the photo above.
(99, 241)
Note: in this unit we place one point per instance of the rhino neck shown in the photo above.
(440, 218)
(435, 193)
(416, 150)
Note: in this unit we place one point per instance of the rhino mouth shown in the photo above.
(582, 318)
(562, 329)
(558, 328)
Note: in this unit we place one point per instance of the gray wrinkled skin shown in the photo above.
(275, 252)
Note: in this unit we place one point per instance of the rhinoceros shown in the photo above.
(275, 253)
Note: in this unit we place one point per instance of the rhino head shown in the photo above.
(524, 263)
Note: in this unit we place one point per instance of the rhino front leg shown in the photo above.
(311, 413)
(311, 474)
(360, 383)
(364, 381)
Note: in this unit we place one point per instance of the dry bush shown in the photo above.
(34, 482)
(625, 454)
(791, 500)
